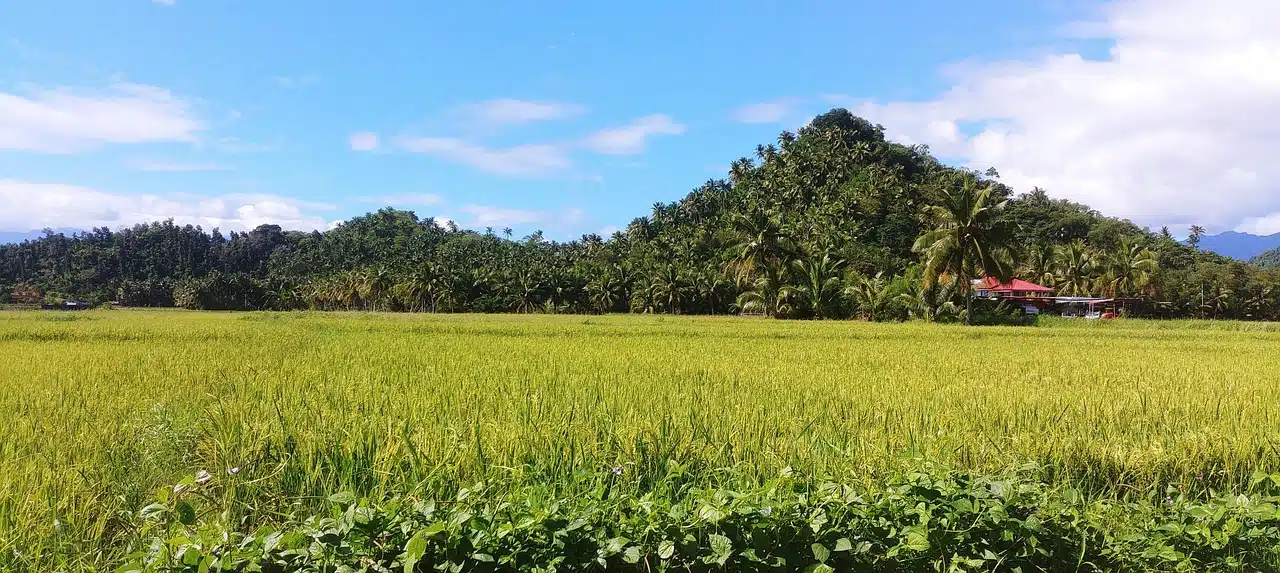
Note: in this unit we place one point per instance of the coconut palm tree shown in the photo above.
(670, 288)
(766, 296)
(820, 284)
(525, 291)
(1131, 268)
(869, 294)
(1077, 269)
(761, 245)
(1039, 265)
(604, 292)
(969, 240)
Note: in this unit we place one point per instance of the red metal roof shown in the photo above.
(1018, 285)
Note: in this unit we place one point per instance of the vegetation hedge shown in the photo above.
(925, 518)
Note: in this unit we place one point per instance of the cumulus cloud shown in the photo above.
(508, 111)
(766, 112)
(532, 159)
(363, 141)
(630, 139)
(1179, 124)
(34, 205)
(62, 120)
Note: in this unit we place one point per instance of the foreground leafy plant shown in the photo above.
(923, 519)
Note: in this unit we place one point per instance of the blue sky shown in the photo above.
(570, 116)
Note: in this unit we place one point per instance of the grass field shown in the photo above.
(102, 409)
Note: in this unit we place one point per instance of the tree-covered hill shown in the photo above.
(1268, 260)
(828, 222)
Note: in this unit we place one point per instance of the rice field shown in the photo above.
(99, 411)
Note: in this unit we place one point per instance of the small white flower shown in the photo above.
(203, 477)
(233, 471)
(766, 511)
(617, 471)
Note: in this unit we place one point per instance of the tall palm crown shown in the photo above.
(1077, 268)
(820, 284)
(762, 244)
(1132, 267)
(969, 240)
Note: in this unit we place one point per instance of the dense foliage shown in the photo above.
(827, 223)
(922, 518)
(1268, 260)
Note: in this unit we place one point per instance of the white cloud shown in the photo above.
(766, 112)
(532, 159)
(165, 2)
(480, 216)
(31, 205)
(1268, 225)
(154, 165)
(1180, 124)
(513, 111)
(363, 141)
(405, 199)
(630, 139)
(490, 216)
(62, 120)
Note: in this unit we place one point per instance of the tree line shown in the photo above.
(833, 221)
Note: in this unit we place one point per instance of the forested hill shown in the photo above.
(820, 224)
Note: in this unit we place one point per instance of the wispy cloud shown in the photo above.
(506, 111)
(630, 139)
(166, 166)
(35, 205)
(165, 2)
(63, 120)
(564, 220)
(766, 112)
(532, 159)
(490, 216)
(363, 141)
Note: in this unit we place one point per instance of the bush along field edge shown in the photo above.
(923, 518)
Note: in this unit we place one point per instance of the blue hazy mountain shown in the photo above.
(1239, 246)
(7, 237)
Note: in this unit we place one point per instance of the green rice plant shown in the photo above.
(99, 414)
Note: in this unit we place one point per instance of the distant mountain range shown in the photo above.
(7, 237)
(1239, 246)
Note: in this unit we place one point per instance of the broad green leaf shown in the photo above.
(721, 548)
(186, 514)
(820, 552)
(153, 511)
(343, 498)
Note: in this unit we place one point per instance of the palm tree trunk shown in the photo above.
(968, 304)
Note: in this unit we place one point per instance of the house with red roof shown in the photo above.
(989, 287)
(1032, 297)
